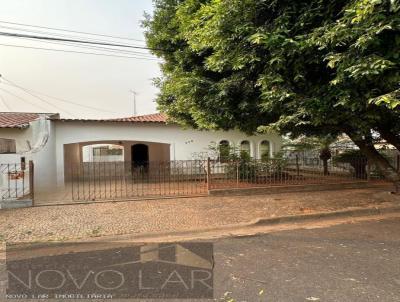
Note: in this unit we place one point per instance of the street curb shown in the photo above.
(15, 204)
(319, 216)
(363, 212)
(259, 222)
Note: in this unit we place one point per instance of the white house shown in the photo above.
(54, 143)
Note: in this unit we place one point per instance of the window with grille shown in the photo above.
(7, 146)
(245, 147)
(224, 150)
(265, 150)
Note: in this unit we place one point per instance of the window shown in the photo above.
(102, 153)
(7, 146)
(223, 150)
(106, 151)
(265, 150)
(245, 147)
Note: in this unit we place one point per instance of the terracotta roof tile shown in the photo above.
(18, 119)
(148, 118)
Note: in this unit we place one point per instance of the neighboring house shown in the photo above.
(19, 130)
(56, 144)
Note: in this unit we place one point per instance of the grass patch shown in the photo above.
(95, 232)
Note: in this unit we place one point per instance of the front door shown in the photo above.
(140, 155)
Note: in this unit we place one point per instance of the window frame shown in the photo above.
(8, 146)
(261, 153)
(224, 158)
(249, 147)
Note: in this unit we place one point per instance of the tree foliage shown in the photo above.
(315, 67)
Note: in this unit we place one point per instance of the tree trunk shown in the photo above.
(325, 164)
(376, 158)
(390, 137)
(325, 155)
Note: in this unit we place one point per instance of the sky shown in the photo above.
(82, 81)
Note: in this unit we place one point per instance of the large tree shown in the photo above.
(305, 67)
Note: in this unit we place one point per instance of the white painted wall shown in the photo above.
(21, 137)
(41, 149)
(49, 137)
(183, 143)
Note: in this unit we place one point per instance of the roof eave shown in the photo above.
(15, 127)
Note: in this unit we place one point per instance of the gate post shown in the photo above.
(368, 171)
(208, 174)
(31, 181)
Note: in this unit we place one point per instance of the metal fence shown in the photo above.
(124, 180)
(288, 171)
(94, 181)
(16, 181)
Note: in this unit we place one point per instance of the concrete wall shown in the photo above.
(41, 149)
(43, 154)
(21, 137)
(182, 144)
(50, 141)
(72, 157)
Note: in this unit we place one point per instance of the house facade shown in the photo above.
(55, 145)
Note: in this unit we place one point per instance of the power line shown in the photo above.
(112, 50)
(73, 31)
(56, 98)
(79, 52)
(19, 29)
(45, 101)
(22, 99)
(7, 34)
(4, 103)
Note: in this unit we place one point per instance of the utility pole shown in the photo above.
(134, 101)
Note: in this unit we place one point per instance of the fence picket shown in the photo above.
(125, 180)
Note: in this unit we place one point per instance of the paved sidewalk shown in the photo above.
(133, 217)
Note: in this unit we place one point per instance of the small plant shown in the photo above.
(273, 167)
(96, 231)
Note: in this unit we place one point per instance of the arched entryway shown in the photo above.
(140, 155)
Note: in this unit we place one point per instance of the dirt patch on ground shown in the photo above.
(99, 219)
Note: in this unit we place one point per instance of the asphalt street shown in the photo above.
(349, 262)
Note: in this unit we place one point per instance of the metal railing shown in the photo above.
(16, 181)
(288, 171)
(93, 181)
(124, 180)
